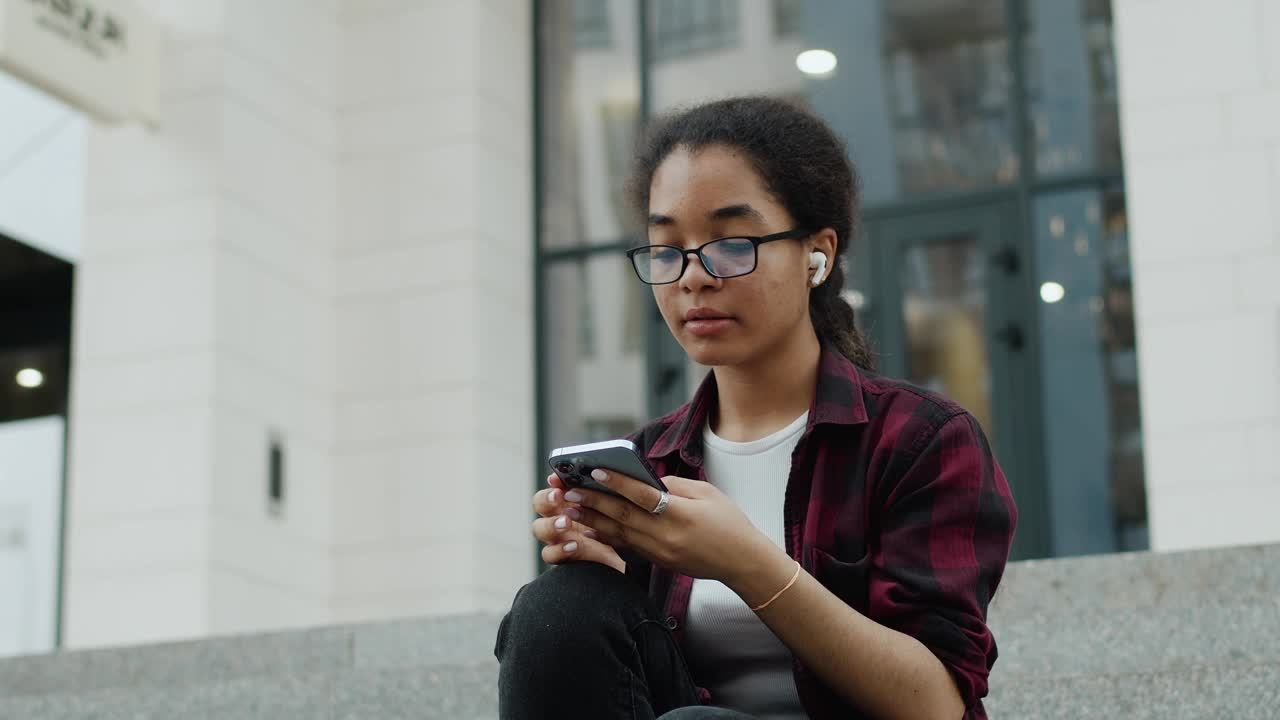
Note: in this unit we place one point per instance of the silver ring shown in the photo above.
(662, 504)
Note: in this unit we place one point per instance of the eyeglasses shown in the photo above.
(723, 257)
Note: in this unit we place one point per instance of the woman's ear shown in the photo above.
(826, 242)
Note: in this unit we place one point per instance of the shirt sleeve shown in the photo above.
(945, 531)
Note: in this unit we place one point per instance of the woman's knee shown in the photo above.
(575, 590)
(574, 597)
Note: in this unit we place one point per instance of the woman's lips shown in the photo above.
(707, 327)
(706, 322)
(705, 313)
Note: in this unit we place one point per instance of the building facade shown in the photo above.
(306, 333)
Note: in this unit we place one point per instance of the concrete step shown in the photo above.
(465, 640)
(426, 692)
(1240, 692)
(1127, 581)
(1193, 634)
(1109, 642)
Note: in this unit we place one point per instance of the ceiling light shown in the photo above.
(30, 378)
(816, 62)
(1052, 292)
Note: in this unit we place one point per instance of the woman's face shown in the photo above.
(698, 197)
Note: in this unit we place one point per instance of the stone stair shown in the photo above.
(1140, 635)
(428, 668)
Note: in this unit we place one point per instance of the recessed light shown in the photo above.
(30, 378)
(1052, 292)
(816, 62)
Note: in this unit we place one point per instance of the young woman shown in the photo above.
(831, 538)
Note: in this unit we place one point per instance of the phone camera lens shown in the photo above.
(564, 468)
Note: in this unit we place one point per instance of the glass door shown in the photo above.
(944, 316)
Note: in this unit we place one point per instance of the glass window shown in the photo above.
(637, 302)
(1071, 86)
(923, 92)
(590, 112)
(920, 89)
(591, 24)
(598, 395)
(593, 308)
(787, 15)
(690, 27)
(586, 321)
(1089, 368)
(944, 310)
(945, 84)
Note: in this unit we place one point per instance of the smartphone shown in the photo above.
(574, 464)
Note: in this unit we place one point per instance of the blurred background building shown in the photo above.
(294, 296)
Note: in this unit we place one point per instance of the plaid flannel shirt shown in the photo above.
(894, 503)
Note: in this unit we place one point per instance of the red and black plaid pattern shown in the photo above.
(894, 503)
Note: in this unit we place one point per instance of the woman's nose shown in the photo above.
(696, 274)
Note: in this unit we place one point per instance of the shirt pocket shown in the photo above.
(849, 581)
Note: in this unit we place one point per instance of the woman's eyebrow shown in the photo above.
(728, 212)
(734, 212)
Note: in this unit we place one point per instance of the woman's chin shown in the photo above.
(709, 351)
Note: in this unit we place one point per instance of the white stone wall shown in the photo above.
(434, 457)
(203, 327)
(1200, 112)
(327, 240)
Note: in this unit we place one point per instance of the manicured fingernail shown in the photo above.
(574, 513)
(599, 475)
(562, 523)
(570, 547)
(553, 496)
(591, 534)
(573, 496)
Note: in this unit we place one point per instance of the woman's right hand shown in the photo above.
(572, 541)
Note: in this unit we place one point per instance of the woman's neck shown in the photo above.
(758, 399)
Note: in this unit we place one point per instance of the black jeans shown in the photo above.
(583, 641)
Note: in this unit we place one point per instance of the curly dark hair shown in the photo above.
(804, 165)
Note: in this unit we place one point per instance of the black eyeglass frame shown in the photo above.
(756, 242)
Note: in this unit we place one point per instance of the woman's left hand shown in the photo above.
(702, 533)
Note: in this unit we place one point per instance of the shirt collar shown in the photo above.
(837, 401)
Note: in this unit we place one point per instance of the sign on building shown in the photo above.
(101, 56)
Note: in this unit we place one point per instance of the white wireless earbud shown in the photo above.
(818, 260)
